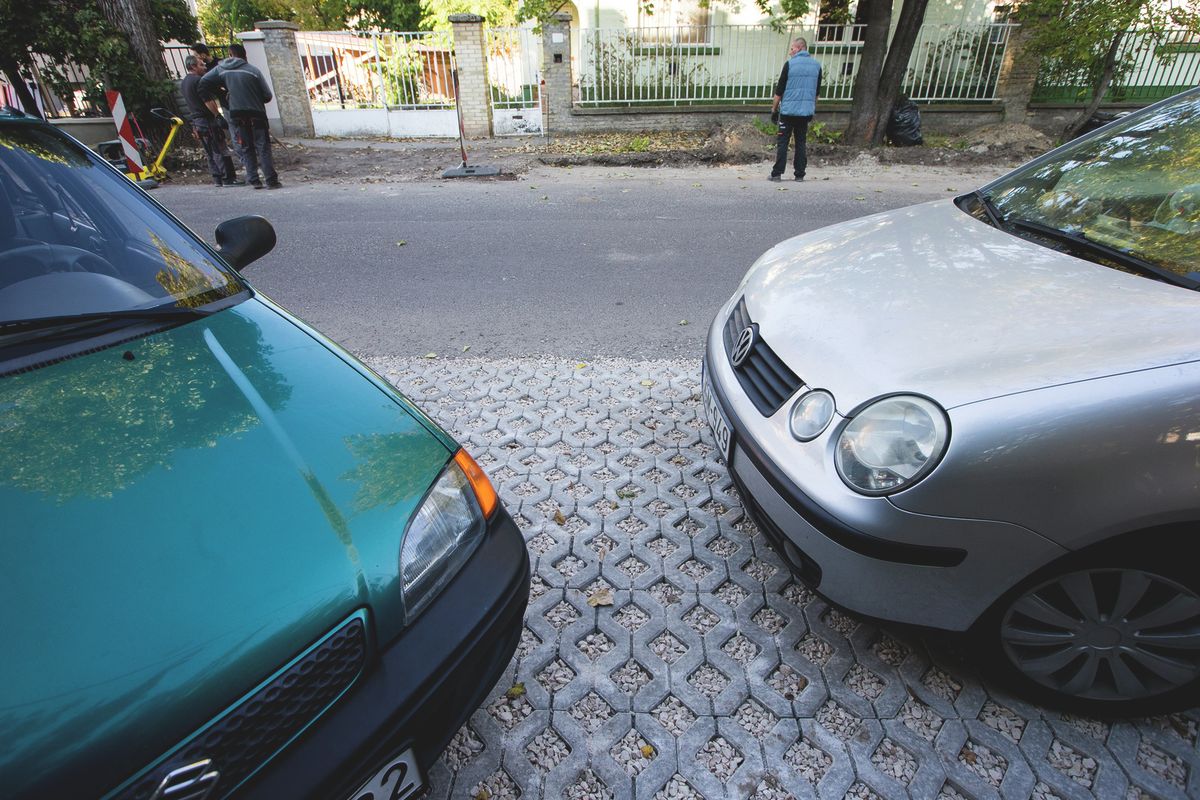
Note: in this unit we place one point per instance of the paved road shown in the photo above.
(581, 263)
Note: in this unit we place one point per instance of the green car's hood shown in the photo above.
(182, 515)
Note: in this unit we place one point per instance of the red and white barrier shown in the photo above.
(133, 158)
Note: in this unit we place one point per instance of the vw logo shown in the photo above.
(743, 346)
(193, 782)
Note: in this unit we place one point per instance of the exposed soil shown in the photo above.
(395, 160)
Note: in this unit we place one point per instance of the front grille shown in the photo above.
(262, 723)
(765, 379)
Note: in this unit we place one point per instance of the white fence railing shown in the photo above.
(739, 64)
(348, 69)
(514, 58)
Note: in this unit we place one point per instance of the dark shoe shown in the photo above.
(274, 185)
(234, 182)
(218, 182)
(775, 178)
(799, 178)
(256, 185)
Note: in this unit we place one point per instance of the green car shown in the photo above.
(236, 561)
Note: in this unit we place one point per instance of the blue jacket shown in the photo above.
(801, 79)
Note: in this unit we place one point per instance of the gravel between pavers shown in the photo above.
(715, 674)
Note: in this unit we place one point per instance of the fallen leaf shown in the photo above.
(516, 691)
(859, 197)
(647, 382)
(601, 597)
(683, 322)
(581, 365)
(466, 347)
(483, 794)
(431, 355)
(559, 518)
(601, 552)
(969, 756)
(647, 751)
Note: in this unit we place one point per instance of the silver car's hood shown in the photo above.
(928, 299)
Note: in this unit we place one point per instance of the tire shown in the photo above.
(1107, 637)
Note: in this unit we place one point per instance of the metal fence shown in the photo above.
(176, 56)
(1150, 67)
(61, 90)
(349, 69)
(513, 60)
(739, 64)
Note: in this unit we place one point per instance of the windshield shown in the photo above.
(77, 239)
(1135, 189)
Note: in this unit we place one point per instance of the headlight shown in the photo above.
(892, 444)
(441, 537)
(811, 414)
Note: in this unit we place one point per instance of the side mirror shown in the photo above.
(243, 240)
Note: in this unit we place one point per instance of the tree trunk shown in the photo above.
(9, 66)
(863, 111)
(912, 16)
(1100, 89)
(136, 20)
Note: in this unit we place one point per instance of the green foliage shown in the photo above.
(639, 144)
(1073, 37)
(777, 12)
(435, 14)
(765, 126)
(820, 133)
(221, 19)
(76, 32)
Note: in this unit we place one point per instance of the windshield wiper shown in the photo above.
(165, 312)
(993, 213)
(1081, 243)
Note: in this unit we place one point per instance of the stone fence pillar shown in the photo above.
(556, 72)
(1018, 75)
(474, 94)
(284, 72)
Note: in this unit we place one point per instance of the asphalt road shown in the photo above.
(580, 263)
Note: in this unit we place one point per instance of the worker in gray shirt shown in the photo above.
(247, 96)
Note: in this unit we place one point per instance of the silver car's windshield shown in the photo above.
(1134, 189)
(77, 240)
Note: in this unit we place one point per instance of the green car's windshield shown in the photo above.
(1134, 190)
(80, 242)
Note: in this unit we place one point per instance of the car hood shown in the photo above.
(928, 299)
(183, 514)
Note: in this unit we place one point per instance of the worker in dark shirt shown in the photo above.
(208, 126)
(794, 104)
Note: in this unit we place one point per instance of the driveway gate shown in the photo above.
(379, 83)
(514, 55)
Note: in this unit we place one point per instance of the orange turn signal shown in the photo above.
(484, 492)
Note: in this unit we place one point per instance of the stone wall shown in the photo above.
(286, 75)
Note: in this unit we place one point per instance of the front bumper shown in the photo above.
(860, 552)
(418, 690)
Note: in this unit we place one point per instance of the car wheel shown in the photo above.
(1105, 640)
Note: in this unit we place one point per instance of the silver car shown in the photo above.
(983, 414)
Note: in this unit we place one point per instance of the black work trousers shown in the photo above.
(791, 127)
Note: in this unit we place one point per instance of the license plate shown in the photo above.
(717, 421)
(400, 778)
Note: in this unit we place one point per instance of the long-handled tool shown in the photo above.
(113, 151)
(462, 170)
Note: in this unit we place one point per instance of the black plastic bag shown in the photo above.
(904, 126)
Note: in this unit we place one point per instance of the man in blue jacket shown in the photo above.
(795, 102)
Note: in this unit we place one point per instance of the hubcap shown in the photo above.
(1105, 634)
